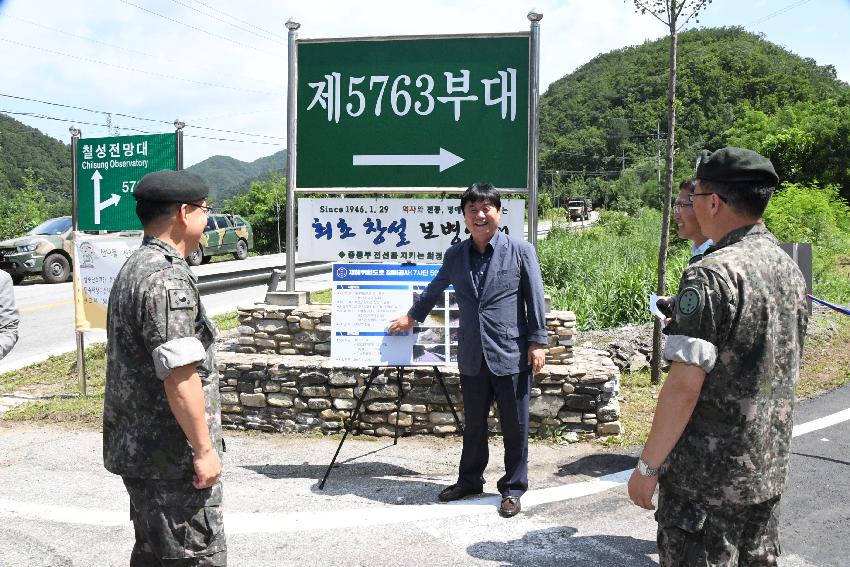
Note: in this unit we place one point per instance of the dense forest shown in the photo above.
(603, 126)
(35, 177)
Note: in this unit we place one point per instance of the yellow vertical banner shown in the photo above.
(97, 261)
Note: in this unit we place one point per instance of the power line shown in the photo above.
(778, 12)
(124, 49)
(272, 34)
(278, 144)
(232, 114)
(134, 70)
(83, 108)
(209, 33)
(140, 117)
(252, 32)
(84, 123)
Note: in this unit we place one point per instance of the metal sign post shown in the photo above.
(104, 173)
(178, 143)
(81, 358)
(291, 129)
(411, 114)
(533, 123)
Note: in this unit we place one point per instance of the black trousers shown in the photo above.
(511, 395)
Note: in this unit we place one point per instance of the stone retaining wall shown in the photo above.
(279, 378)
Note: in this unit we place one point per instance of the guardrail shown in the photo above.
(228, 281)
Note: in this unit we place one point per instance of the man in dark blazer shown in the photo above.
(502, 337)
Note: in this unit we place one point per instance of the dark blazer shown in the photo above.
(510, 313)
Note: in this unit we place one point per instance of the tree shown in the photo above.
(261, 207)
(721, 74)
(22, 209)
(807, 142)
(674, 14)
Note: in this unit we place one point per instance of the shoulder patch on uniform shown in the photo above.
(689, 301)
(181, 299)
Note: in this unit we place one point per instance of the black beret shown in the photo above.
(736, 164)
(169, 186)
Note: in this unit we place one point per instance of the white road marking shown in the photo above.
(252, 523)
(821, 423)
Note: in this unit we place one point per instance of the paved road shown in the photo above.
(59, 506)
(47, 311)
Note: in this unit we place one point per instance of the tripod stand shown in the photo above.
(359, 404)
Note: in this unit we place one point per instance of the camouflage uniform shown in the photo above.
(156, 323)
(741, 315)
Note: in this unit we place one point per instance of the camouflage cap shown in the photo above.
(169, 186)
(732, 164)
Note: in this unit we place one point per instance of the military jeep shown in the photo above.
(44, 250)
(579, 209)
(224, 234)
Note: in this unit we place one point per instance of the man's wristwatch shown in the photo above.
(645, 470)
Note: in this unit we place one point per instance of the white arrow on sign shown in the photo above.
(445, 159)
(98, 205)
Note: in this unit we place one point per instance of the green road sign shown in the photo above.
(108, 170)
(413, 112)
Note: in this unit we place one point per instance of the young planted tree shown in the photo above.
(674, 14)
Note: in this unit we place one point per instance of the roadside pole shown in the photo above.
(533, 123)
(291, 113)
(178, 145)
(81, 358)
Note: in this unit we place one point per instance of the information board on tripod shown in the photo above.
(367, 296)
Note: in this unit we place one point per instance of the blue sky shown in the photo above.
(219, 64)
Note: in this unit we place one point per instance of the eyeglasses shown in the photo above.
(692, 195)
(207, 210)
(677, 207)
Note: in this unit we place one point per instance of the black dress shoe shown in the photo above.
(510, 506)
(456, 492)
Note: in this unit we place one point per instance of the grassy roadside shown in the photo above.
(826, 365)
(320, 296)
(56, 381)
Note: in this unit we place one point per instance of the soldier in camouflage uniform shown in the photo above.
(162, 411)
(722, 427)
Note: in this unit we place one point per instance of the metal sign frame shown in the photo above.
(292, 108)
(76, 134)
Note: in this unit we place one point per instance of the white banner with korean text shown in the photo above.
(389, 230)
(97, 262)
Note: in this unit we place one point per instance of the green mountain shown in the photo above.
(35, 177)
(33, 159)
(611, 114)
(228, 176)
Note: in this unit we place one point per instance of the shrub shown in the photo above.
(606, 273)
(818, 215)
